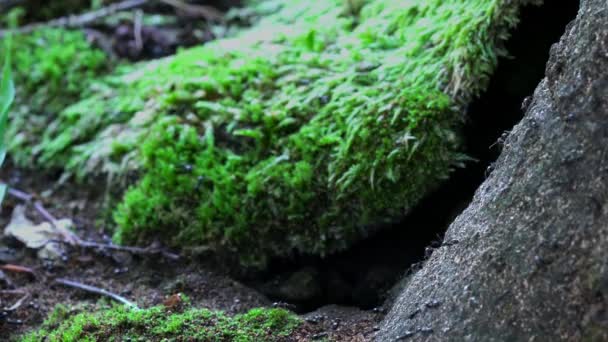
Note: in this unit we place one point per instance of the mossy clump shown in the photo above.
(296, 136)
(53, 68)
(299, 140)
(159, 324)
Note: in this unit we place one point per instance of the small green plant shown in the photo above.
(52, 69)
(158, 323)
(7, 95)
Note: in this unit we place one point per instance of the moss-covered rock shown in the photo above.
(159, 324)
(53, 69)
(298, 135)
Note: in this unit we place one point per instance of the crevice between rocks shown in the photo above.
(363, 275)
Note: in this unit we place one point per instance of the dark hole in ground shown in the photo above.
(363, 275)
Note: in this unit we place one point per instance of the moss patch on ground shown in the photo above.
(296, 136)
(158, 324)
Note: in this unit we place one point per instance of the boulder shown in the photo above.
(299, 136)
(531, 258)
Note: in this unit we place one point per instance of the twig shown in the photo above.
(207, 12)
(18, 304)
(25, 197)
(4, 313)
(129, 249)
(67, 236)
(45, 213)
(13, 292)
(137, 30)
(17, 269)
(42, 210)
(20, 194)
(96, 290)
(77, 21)
(74, 240)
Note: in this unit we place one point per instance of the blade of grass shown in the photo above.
(7, 91)
(7, 96)
(2, 192)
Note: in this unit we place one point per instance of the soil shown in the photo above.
(145, 280)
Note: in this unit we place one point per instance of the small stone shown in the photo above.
(8, 254)
(121, 270)
(319, 336)
(433, 304)
(379, 310)
(314, 319)
(426, 331)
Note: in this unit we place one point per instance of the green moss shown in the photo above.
(53, 69)
(296, 136)
(297, 142)
(158, 324)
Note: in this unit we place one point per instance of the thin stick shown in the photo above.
(207, 12)
(45, 213)
(68, 237)
(20, 194)
(18, 304)
(129, 249)
(17, 269)
(74, 240)
(137, 30)
(95, 290)
(13, 292)
(77, 21)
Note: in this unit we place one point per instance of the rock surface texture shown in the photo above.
(531, 259)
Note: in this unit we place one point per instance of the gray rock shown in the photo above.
(532, 258)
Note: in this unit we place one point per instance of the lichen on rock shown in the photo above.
(296, 136)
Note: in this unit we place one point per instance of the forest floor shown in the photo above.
(28, 284)
(29, 291)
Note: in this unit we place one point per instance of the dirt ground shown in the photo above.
(147, 280)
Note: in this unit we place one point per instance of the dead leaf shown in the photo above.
(173, 302)
(42, 237)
